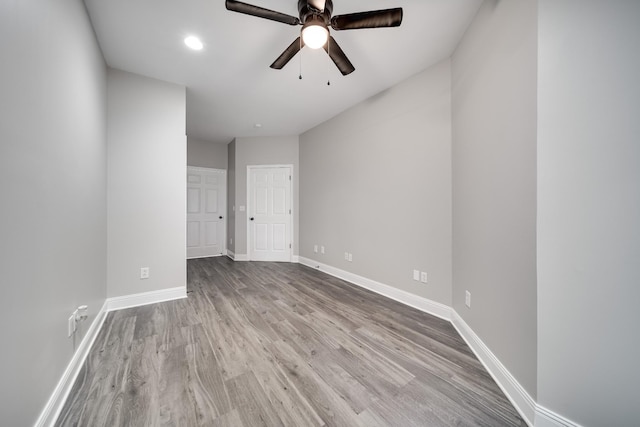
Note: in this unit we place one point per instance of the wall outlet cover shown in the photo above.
(416, 275)
(144, 273)
(423, 277)
(467, 299)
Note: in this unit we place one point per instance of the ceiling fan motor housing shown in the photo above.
(309, 13)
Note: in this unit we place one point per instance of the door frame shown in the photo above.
(291, 233)
(224, 219)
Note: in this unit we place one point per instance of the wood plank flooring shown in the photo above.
(272, 344)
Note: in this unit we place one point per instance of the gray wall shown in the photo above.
(146, 184)
(261, 151)
(53, 192)
(589, 211)
(376, 182)
(206, 154)
(494, 182)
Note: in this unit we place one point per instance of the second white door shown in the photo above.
(270, 213)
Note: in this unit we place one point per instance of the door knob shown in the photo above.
(220, 217)
(251, 218)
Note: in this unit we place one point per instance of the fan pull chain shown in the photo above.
(328, 62)
(300, 76)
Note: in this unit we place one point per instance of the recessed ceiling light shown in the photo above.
(193, 42)
(257, 125)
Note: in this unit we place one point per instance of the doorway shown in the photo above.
(206, 212)
(269, 213)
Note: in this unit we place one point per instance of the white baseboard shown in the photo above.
(237, 257)
(521, 400)
(54, 405)
(548, 418)
(208, 256)
(144, 298)
(526, 406)
(532, 413)
(423, 304)
(295, 259)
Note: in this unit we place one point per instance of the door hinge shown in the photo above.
(289, 211)
(289, 177)
(289, 245)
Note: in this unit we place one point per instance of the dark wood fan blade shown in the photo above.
(371, 19)
(260, 12)
(339, 58)
(288, 53)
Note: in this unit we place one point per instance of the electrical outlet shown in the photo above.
(350, 257)
(71, 325)
(322, 249)
(467, 299)
(416, 275)
(423, 277)
(315, 248)
(144, 273)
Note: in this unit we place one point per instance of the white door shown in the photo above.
(269, 213)
(206, 209)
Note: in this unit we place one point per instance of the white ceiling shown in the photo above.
(230, 86)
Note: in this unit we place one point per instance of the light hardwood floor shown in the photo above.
(273, 344)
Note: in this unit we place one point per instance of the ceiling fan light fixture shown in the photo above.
(315, 33)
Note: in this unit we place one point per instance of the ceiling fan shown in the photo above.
(315, 18)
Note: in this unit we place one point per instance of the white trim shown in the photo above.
(203, 169)
(237, 257)
(144, 298)
(547, 418)
(295, 259)
(292, 201)
(521, 400)
(56, 401)
(207, 256)
(423, 304)
(518, 396)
